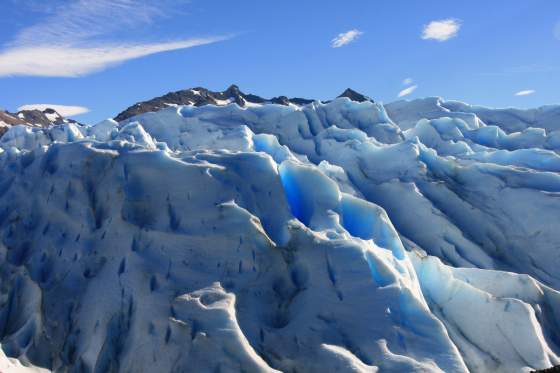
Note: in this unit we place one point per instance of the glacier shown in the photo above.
(418, 236)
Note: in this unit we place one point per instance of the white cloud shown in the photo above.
(64, 110)
(526, 92)
(345, 38)
(407, 81)
(78, 38)
(407, 91)
(441, 30)
(69, 61)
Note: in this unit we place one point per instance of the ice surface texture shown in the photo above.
(346, 236)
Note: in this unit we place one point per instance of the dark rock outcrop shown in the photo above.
(355, 96)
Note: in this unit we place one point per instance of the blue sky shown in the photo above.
(105, 55)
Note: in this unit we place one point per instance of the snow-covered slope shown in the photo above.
(323, 237)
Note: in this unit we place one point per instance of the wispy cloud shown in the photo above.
(69, 61)
(407, 81)
(82, 20)
(526, 92)
(441, 30)
(345, 38)
(85, 36)
(407, 91)
(64, 110)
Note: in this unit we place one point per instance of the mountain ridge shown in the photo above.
(32, 118)
(199, 96)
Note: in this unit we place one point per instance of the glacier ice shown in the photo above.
(342, 236)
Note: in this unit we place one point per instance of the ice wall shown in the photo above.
(326, 237)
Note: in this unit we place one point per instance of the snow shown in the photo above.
(52, 116)
(224, 102)
(252, 104)
(15, 366)
(340, 236)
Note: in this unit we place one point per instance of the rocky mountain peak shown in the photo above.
(355, 96)
(32, 118)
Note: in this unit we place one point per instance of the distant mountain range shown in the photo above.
(198, 96)
(201, 96)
